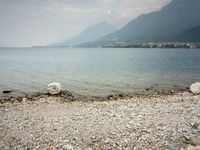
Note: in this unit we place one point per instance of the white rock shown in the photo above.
(68, 147)
(54, 88)
(195, 88)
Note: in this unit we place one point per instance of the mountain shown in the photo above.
(90, 34)
(190, 35)
(176, 17)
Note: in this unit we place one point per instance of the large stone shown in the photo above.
(195, 88)
(54, 88)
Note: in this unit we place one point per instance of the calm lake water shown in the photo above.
(96, 71)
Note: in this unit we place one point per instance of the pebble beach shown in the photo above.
(141, 122)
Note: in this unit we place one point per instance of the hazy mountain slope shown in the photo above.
(190, 35)
(91, 34)
(177, 16)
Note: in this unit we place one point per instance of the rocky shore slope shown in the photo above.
(142, 122)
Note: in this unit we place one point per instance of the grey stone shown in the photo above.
(195, 88)
(54, 88)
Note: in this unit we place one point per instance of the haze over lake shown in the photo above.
(97, 71)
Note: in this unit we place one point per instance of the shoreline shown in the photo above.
(71, 96)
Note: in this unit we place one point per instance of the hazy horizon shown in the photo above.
(27, 23)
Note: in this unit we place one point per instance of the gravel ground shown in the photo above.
(159, 122)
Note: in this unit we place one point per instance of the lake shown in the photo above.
(97, 71)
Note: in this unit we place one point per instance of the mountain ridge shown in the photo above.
(90, 34)
(174, 18)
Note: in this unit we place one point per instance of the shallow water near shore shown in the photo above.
(97, 71)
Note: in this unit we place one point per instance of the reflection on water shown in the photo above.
(97, 71)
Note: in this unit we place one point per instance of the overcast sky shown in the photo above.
(41, 22)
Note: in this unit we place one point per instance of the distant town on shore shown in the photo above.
(187, 45)
(156, 45)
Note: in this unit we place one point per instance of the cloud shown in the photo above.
(38, 22)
